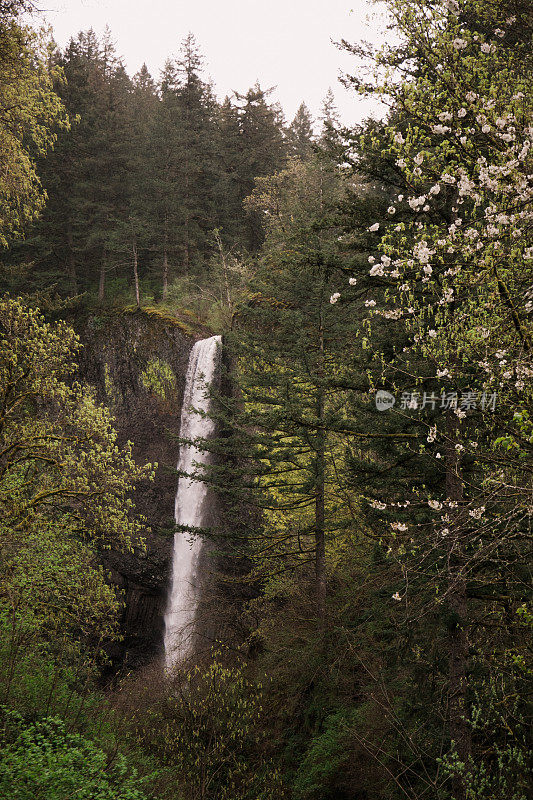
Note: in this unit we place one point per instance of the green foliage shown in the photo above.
(387, 555)
(158, 378)
(208, 727)
(64, 493)
(30, 114)
(323, 761)
(54, 597)
(42, 759)
(58, 450)
(143, 177)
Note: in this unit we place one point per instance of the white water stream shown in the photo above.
(190, 506)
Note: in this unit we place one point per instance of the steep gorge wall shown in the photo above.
(137, 361)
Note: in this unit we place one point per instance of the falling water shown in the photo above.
(190, 502)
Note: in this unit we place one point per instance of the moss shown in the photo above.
(191, 327)
(159, 379)
(110, 391)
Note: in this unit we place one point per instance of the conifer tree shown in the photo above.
(262, 149)
(300, 133)
(199, 149)
(86, 177)
(290, 409)
(140, 223)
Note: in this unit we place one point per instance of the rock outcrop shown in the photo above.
(137, 361)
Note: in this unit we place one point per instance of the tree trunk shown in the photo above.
(165, 274)
(320, 543)
(71, 262)
(458, 708)
(101, 283)
(136, 272)
(165, 261)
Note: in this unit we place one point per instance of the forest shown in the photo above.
(370, 452)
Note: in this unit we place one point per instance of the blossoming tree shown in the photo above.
(453, 259)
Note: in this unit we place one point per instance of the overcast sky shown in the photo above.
(282, 43)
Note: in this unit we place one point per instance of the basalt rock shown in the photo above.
(137, 362)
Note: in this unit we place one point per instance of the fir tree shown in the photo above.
(300, 133)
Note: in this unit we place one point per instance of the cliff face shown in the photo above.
(138, 362)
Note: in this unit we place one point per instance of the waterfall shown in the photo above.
(190, 507)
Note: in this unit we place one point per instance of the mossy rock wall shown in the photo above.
(138, 362)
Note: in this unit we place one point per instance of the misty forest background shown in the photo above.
(384, 557)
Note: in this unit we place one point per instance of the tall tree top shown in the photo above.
(143, 81)
(191, 62)
(300, 133)
(329, 116)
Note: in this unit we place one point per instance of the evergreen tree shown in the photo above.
(87, 176)
(186, 172)
(262, 150)
(199, 148)
(300, 133)
(139, 225)
(291, 408)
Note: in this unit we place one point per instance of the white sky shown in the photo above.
(282, 43)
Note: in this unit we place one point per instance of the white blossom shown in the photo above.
(459, 44)
(334, 297)
(435, 505)
(447, 297)
(477, 513)
(396, 596)
(352, 281)
(422, 251)
(373, 228)
(415, 203)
